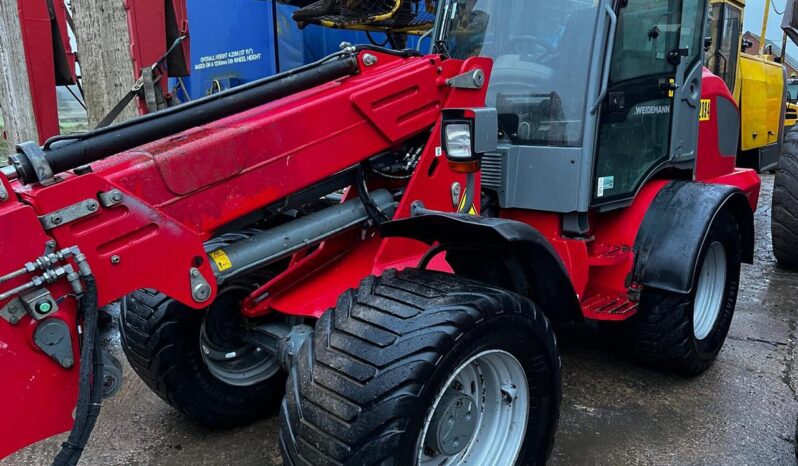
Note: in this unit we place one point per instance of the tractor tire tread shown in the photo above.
(784, 214)
(372, 354)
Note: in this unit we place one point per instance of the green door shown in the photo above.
(650, 114)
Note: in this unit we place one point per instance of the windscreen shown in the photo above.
(541, 51)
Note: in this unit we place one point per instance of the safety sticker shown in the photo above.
(706, 108)
(471, 211)
(605, 183)
(221, 259)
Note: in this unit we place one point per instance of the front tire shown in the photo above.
(685, 332)
(407, 353)
(784, 214)
(162, 341)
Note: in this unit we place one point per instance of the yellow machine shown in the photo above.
(757, 81)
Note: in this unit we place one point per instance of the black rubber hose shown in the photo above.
(98, 144)
(89, 380)
(470, 194)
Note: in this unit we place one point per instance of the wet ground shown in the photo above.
(740, 412)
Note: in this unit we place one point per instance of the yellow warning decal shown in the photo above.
(222, 261)
(460, 207)
(706, 106)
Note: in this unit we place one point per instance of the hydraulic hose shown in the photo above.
(468, 200)
(90, 379)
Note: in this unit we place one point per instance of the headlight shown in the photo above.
(459, 146)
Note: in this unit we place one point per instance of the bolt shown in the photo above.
(116, 196)
(13, 319)
(56, 219)
(509, 393)
(50, 244)
(194, 273)
(369, 59)
(12, 308)
(66, 363)
(115, 259)
(201, 292)
(92, 206)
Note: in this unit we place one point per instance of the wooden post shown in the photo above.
(104, 54)
(16, 102)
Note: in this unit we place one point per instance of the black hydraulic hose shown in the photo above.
(470, 195)
(90, 379)
(96, 145)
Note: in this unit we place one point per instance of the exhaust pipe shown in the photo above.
(284, 240)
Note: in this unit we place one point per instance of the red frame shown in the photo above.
(40, 51)
(180, 190)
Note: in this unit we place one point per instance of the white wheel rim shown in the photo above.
(709, 293)
(501, 426)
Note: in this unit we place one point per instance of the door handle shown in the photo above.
(605, 78)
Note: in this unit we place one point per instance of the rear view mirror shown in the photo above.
(790, 21)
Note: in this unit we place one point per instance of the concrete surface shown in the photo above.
(741, 412)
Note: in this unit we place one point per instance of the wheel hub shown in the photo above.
(453, 423)
(710, 291)
(479, 415)
(226, 356)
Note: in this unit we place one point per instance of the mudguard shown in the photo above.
(675, 227)
(504, 253)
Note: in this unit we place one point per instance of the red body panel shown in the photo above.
(37, 40)
(179, 191)
(147, 25)
(710, 162)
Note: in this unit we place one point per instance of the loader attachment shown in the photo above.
(39, 392)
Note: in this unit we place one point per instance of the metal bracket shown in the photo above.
(111, 198)
(68, 214)
(39, 303)
(13, 311)
(473, 79)
(457, 191)
(52, 336)
(3, 192)
(35, 155)
(200, 289)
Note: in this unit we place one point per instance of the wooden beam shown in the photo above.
(16, 101)
(106, 68)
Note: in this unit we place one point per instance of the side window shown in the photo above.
(635, 126)
(725, 31)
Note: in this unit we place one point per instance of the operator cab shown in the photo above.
(593, 97)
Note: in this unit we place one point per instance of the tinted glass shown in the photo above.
(724, 27)
(541, 51)
(634, 138)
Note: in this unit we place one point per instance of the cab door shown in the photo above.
(649, 118)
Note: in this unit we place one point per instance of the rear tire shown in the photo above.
(685, 332)
(784, 214)
(361, 390)
(161, 339)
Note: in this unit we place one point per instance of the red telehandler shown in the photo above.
(365, 243)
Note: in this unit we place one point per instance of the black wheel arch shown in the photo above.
(504, 253)
(674, 229)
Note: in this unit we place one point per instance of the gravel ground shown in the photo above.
(742, 411)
